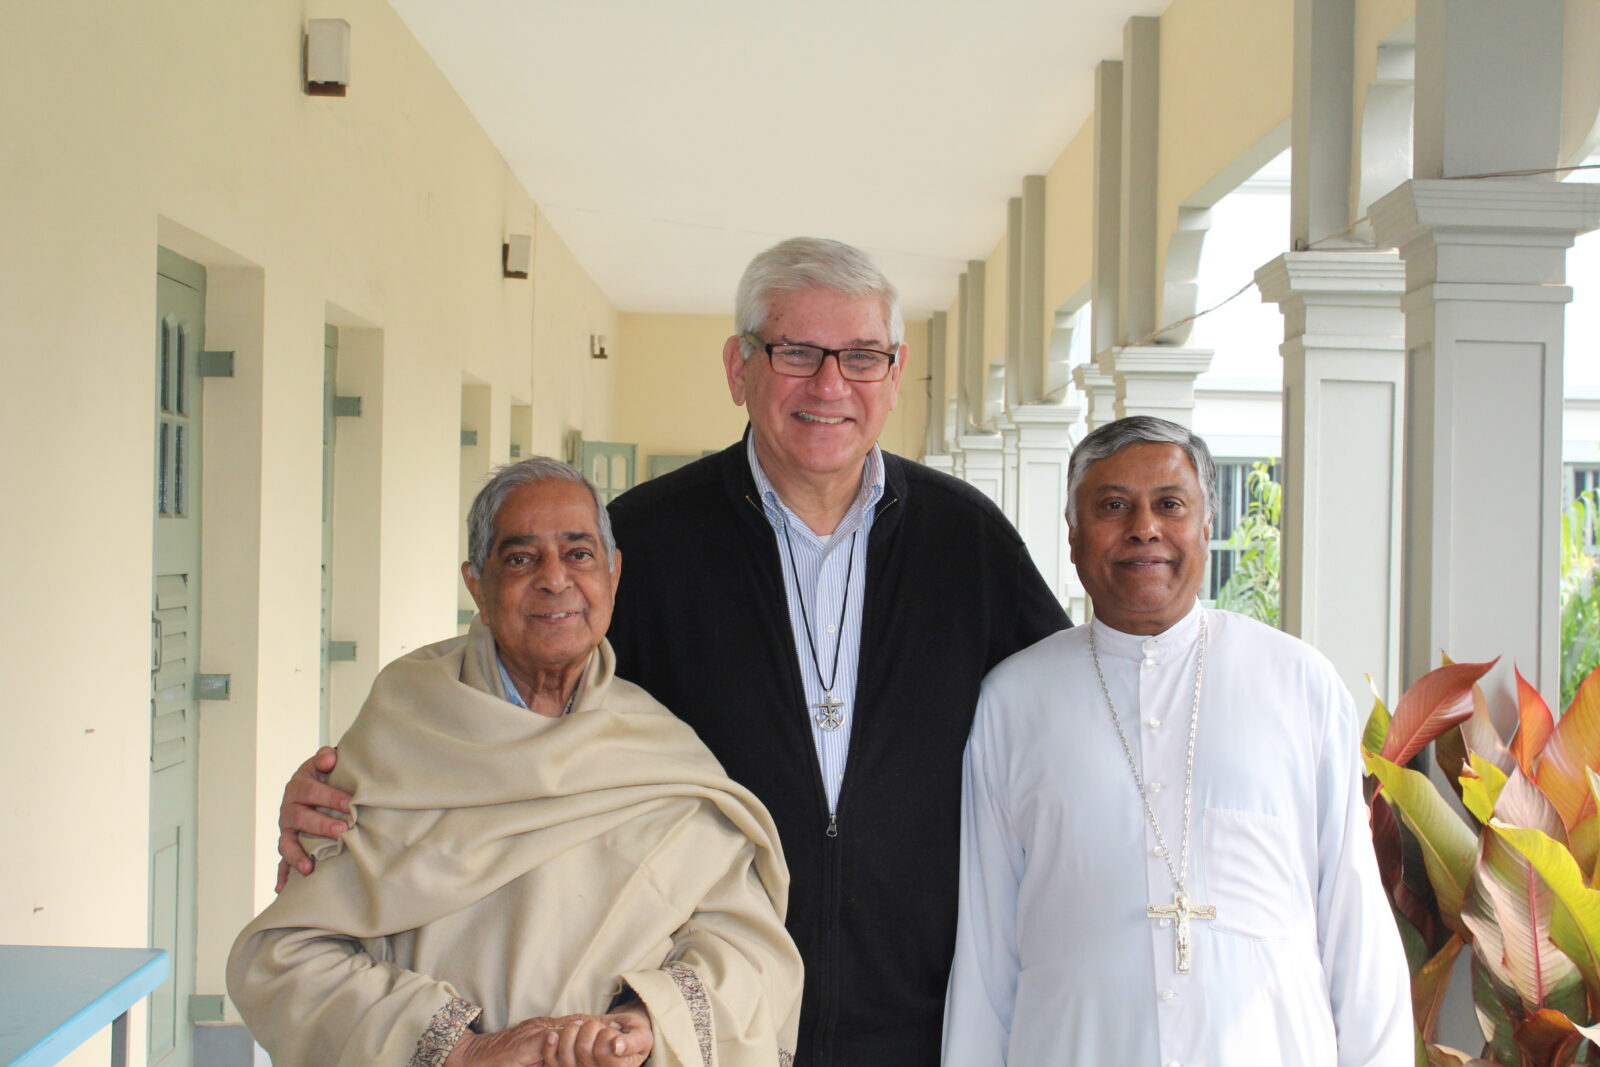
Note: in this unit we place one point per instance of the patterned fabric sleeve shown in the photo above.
(694, 995)
(451, 1021)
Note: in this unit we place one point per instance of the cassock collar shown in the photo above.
(1180, 635)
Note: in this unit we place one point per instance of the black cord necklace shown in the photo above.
(830, 713)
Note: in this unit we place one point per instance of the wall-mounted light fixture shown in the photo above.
(516, 254)
(327, 57)
(597, 346)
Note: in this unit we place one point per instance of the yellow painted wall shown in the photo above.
(994, 299)
(672, 395)
(183, 123)
(1069, 223)
(1227, 83)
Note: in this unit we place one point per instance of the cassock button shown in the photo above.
(1154, 724)
(1155, 787)
(1166, 994)
(1174, 1063)
(1165, 923)
(1158, 851)
(1149, 645)
(1148, 664)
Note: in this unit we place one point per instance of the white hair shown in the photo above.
(1113, 437)
(485, 513)
(811, 263)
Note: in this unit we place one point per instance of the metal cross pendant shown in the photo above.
(829, 713)
(1181, 911)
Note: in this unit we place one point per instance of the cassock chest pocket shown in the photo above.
(1251, 877)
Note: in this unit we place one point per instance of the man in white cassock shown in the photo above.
(1165, 854)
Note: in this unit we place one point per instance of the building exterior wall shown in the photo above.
(183, 124)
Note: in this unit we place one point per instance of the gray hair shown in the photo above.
(485, 513)
(1113, 437)
(811, 263)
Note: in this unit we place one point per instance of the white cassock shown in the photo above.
(1056, 961)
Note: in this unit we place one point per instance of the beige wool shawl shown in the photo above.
(529, 866)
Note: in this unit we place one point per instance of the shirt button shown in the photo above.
(1155, 787)
(1154, 724)
(1148, 664)
(1159, 850)
(1149, 645)
(1174, 1063)
(832, 628)
(1166, 994)
(1164, 923)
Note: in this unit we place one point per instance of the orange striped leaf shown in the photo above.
(1435, 702)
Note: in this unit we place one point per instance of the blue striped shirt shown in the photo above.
(819, 597)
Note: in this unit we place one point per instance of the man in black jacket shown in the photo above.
(822, 613)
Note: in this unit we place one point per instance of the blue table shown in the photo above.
(54, 999)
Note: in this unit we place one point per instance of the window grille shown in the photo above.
(1233, 500)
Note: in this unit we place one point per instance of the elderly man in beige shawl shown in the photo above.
(543, 865)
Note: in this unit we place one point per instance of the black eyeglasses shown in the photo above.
(803, 361)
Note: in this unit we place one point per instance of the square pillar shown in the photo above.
(942, 462)
(1158, 380)
(982, 467)
(1044, 445)
(1484, 310)
(1100, 392)
(1343, 443)
(1008, 466)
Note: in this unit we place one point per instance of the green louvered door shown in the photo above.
(174, 649)
(608, 464)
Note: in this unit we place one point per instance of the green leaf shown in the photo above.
(1575, 921)
(1449, 847)
(1510, 913)
(1493, 1003)
(1480, 793)
(1377, 723)
(1435, 702)
(1428, 987)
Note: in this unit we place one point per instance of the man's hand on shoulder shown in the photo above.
(307, 791)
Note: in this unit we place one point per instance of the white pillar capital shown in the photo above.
(1099, 388)
(1485, 230)
(1044, 445)
(1158, 380)
(983, 463)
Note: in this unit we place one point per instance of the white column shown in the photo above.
(982, 464)
(1484, 312)
(1343, 442)
(1008, 466)
(1158, 380)
(1099, 389)
(1044, 445)
(938, 363)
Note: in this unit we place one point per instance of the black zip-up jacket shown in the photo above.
(702, 623)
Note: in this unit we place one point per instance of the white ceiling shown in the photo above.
(668, 141)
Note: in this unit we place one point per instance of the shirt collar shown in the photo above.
(1180, 635)
(778, 512)
(505, 680)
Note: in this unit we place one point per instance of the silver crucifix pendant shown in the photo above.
(1180, 911)
(829, 713)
